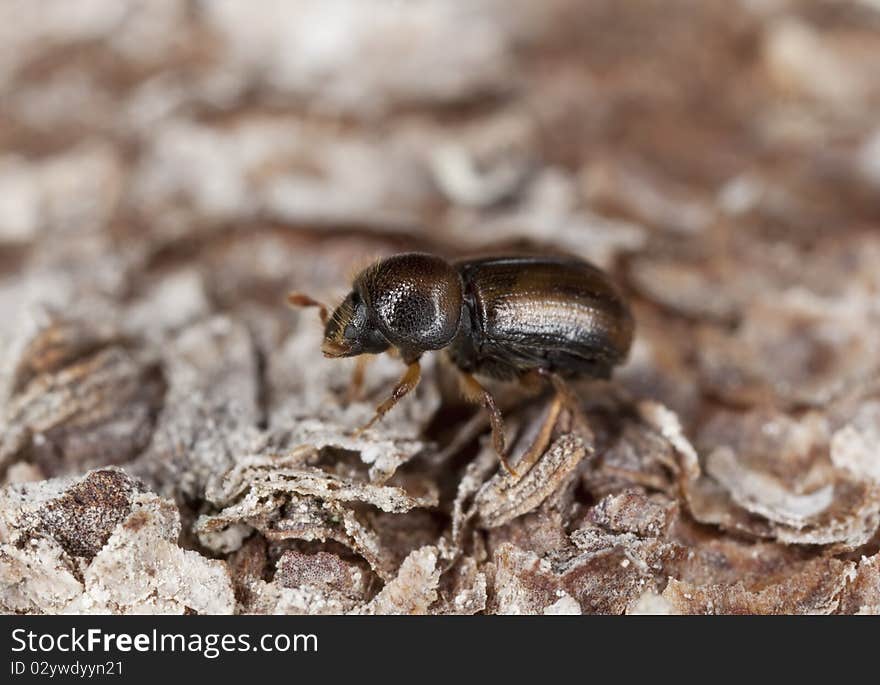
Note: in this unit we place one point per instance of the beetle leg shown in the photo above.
(409, 381)
(569, 398)
(357, 378)
(303, 300)
(533, 382)
(542, 439)
(476, 393)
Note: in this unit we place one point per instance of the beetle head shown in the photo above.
(350, 330)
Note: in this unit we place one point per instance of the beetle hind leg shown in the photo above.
(542, 440)
(569, 399)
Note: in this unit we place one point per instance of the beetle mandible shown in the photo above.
(502, 317)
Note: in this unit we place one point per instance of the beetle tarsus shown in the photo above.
(507, 467)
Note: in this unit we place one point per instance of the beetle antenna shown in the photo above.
(297, 299)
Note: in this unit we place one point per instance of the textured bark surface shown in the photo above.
(171, 439)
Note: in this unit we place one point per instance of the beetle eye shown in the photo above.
(350, 332)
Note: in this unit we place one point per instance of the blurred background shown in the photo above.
(164, 159)
(170, 169)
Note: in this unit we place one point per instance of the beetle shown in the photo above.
(501, 317)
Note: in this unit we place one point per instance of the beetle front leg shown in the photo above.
(356, 385)
(409, 381)
(476, 393)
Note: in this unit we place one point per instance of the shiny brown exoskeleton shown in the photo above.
(501, 317)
